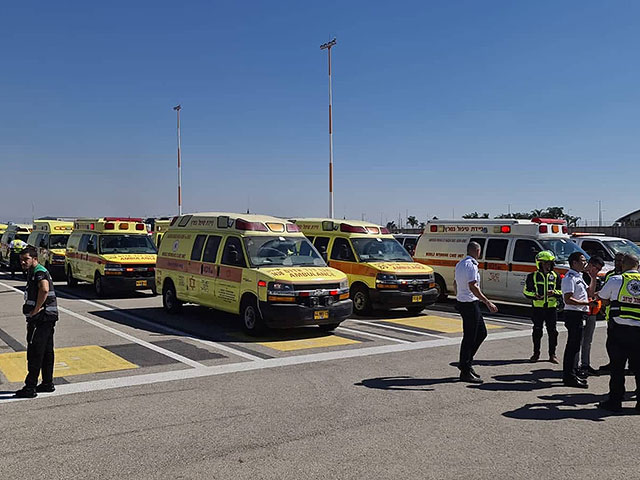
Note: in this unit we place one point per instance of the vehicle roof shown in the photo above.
(600, 237)
(48, 225)
(210, 221)
(355, 223)
(484, 221)
(17, 226)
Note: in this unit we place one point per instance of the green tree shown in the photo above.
(475, 215)
(413, 221)
(391, 226)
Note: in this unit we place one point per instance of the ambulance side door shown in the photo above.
(229, 279)
(495, 267)
(79, 271)
(522, 264)
(194, 267)
(209, 271)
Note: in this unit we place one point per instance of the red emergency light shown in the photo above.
(557, 221)
(345, 227)
(505, 229)
(92, 226)
(254, 226)
(292, 228)
(262, 283)
(122, 219)
(109, 226)
(543, 229)
(139, 226)
(433, 228)
(384, 230)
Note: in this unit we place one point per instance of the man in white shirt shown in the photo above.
(576, 310)
(622, 294)
(469, 296)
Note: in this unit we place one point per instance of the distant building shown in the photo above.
(630, 219)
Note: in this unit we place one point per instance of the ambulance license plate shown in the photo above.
(141, 283)
(321, 315)
(416, 298)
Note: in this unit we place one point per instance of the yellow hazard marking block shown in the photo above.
(68, 361)
(301, 344)
(436, 323)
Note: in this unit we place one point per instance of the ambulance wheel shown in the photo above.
(170, 300)
(98, 284)
(252, 321)
(330, 327)
(71, 282)
(415, 310)
(361, 300)
(442, 288)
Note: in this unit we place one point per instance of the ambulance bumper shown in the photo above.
(129, 283)
(385, 299)
(279, 315)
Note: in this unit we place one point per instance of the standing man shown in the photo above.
(617, 270)
(16, 246)
(41, 310)
(590, 276)
(543, 288)
(622, 294)
(576, 300)
(469, 296)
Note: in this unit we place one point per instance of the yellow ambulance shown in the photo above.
(381, 272)
(262, 268)
(50, 237)
(3, 228)
(112, 253)
(13, 231)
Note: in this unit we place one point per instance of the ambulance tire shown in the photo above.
(252, 321)
(98, 285)
(170, 300)
(361, 300)
(71, 282)
(442, 288)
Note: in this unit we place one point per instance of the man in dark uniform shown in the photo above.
(41, 310)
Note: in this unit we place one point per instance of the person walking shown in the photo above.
(590, 276)
(469, 296)
(622, 294)
(543, 288)
(41, 310)
(576, 300)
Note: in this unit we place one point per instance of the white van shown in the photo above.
(605, 246)
(509, 248)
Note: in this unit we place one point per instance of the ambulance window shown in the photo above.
(322, 245)
(496, 249)
(39, 238)
(596, 249)
(310, 238)
(232, 254)
(92, 244)
(211, 250)
(341, 250)
(83, 243)
(525, 251)
(198, 245)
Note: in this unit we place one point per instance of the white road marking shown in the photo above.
(131, 338)
(373, 335)
(399, 329)
(151, 378)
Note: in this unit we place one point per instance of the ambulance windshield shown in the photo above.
(562, 249)
(126, 244)
(623, 246)
(282, 251)
(58, 241)
(380, 249)
(22, 236)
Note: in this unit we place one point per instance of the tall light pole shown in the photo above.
(327, 46)
(177, 108)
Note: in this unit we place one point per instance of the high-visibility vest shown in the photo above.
(18, 245)
(541, 285)
(627, 305)
(607, 309)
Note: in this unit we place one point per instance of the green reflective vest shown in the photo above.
(538, 283)
(627, 305)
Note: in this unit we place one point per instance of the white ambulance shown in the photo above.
(509, 248)
(605, 246)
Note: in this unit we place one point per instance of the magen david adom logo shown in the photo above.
(634, 287)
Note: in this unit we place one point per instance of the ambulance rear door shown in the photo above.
(494, 266)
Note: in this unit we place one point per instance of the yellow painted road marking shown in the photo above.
(436, 323)
(301, 344)
(69, 361)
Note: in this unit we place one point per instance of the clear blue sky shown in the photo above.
(439, 106)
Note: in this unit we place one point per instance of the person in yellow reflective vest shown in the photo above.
(15, 248)
(622, 294)
(542, 287)
(617, 270)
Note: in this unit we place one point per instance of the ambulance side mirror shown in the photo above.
(91, 248)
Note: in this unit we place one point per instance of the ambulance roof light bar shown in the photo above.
(122, 219)
(557, 221)
(587, 234)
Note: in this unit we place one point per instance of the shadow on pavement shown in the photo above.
(525, 382)
(405, 383)
(495, 363)
(580, 406)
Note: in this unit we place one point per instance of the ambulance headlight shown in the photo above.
(280, 288)
(386, 278)
(344, 284)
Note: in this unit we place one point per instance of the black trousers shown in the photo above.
(14, 263)
(574, 321)
(545, 316)
(623, 344)
(39, 352)
(474, 334)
